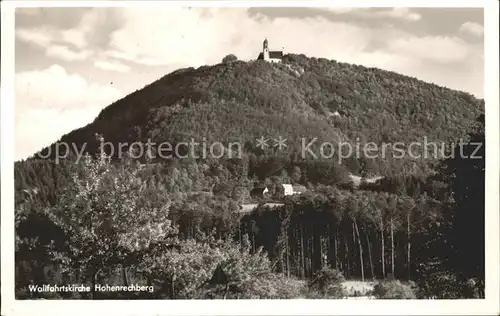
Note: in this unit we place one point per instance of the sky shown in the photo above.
(71, 63)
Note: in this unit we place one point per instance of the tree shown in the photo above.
(465, 175)
(108, 217)
(408, 206)
(353, 210)
(456, 263)
(296, 175)
(381, 204)
(229, 58)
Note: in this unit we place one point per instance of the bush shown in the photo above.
(327, 283)
(273, 286)
(445, 285)
(393, 290)
(229, 58)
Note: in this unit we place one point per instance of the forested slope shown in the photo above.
(302, 98)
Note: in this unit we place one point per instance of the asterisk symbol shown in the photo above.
(280, 143)
(262, 142)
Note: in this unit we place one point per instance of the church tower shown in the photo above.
(265, 50)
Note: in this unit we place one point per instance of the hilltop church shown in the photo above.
(270, 56)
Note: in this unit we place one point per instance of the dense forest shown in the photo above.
(175, 224)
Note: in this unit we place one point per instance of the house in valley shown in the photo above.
(282, 190)
(293, 189)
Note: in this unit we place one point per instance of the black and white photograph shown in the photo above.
(198, 151)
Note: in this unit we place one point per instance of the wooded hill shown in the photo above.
(408, 224)
(242, 101)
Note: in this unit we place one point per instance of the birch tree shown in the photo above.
(107, 217)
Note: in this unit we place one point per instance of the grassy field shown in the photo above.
(360, 288)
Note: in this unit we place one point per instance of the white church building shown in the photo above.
(270, 56)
